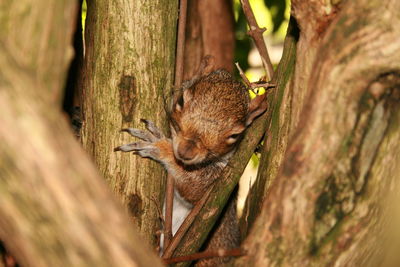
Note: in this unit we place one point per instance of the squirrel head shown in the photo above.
(209, 117)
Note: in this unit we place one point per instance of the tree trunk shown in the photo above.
(210, 31)
(329, 163)
(128, 73)
(54, 210)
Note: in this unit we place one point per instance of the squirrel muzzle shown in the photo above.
(187, 151)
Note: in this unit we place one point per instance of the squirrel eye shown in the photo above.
(232, 138)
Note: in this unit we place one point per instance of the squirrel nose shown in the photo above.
(186, 150)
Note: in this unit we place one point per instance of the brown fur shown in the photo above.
(207, 121)
(214, 108)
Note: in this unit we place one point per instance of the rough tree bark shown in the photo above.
(128, 72)
(330, 160)
(55, 210)
(333, 140)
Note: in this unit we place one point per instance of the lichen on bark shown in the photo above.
(128, 72)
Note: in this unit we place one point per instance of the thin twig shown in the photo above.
(169, 200)
(256, 33)
(245, 80)
(236, 252)
(169, 251)
(180, 49)
(252, 86)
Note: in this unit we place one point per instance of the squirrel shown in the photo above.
(207, 120)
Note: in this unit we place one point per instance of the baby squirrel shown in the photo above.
(207, 120)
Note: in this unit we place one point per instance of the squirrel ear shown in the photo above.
(257, 106)
(187, 95)
(207, 65)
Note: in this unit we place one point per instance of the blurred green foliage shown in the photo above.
(243, 43)
(277, 9)
(271, 14)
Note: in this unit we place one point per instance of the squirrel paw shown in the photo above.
(153, 145)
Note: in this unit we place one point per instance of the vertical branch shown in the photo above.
(169, 199)
(256, 33)
(180, 47)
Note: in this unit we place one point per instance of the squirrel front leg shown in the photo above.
(154, 145)
(190, 183)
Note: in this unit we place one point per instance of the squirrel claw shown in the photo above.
(143, 135)
(152, 128)
(127, 147)
(143, 149)
(153, 142)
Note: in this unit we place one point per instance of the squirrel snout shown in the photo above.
(186, 151)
